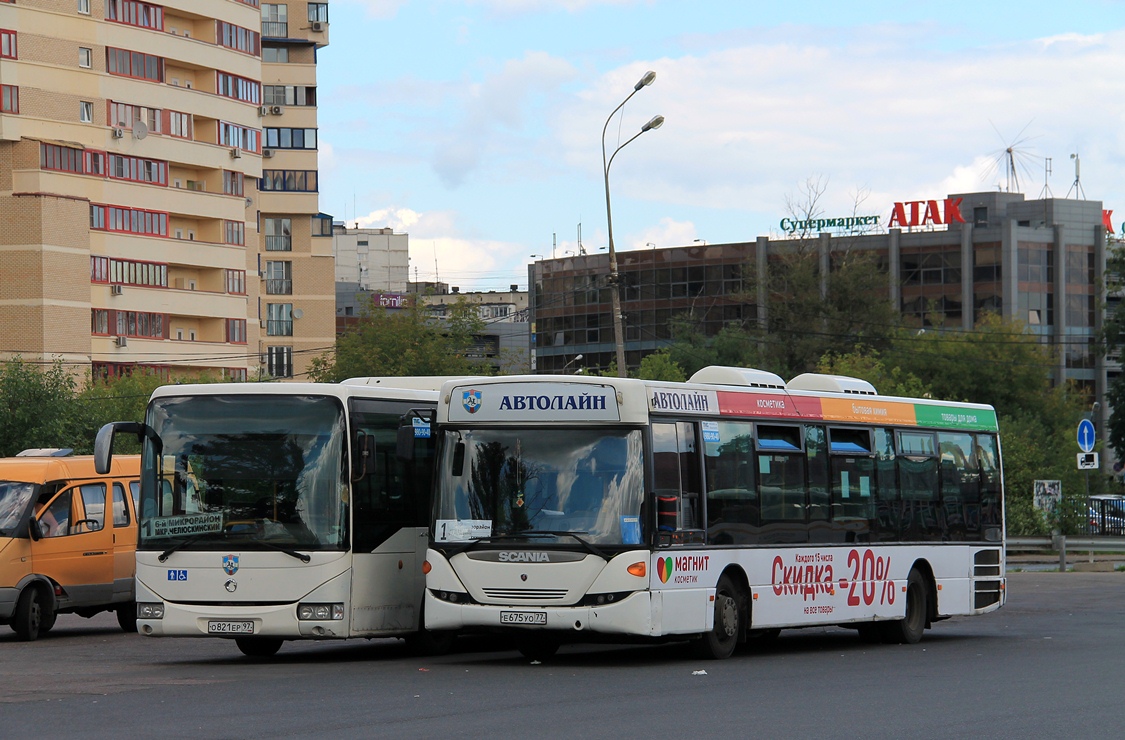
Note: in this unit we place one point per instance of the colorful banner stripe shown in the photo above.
(857, 410)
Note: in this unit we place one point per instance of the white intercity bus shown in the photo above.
(281, 511)
(723, 509)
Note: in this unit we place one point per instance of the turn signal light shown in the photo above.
(426, 567)
(637, 569)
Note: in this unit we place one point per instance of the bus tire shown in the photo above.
(29, 615)
(909, 629)
(720, 642)
(127, 616)
(258, 647)
(538, 646)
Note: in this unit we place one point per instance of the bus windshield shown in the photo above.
(541, 483)
(247, 471)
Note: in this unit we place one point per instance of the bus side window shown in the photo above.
(120, 508)
(676, 477)
(732, 497)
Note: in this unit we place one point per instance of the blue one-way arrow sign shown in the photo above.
(1086, 435)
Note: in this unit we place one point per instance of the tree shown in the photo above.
(123, 398)
(406, 342)
(36, 407)
(869, 365)
(660, 366)
(1112, 340)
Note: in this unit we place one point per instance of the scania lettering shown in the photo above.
(272, 512)
(720, 510)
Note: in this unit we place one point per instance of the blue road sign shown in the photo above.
(1086, 435)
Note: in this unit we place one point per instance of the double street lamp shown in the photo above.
(614, 288)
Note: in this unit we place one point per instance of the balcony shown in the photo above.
(277, 286)
(275, 29)
(279, 328)
(279, 244)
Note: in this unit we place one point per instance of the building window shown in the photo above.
(134, 13)
(236, 281)
(234, 374)
(279, 362)
(179, 124)
(290, 138)
(85, 111)
(234, 232)
(127, 115)
(9, 99)
(239, 88)
(127, 63)
(84, 7)
(99, 321)
(85, 57)
(138, 169)
(240, 137)
(322, 225)
(128, 220)
(275, 21)
(99, 269)
(131, 272)
(275, 55)
(54, 157)
(279, 278)
(236, 331)
(288, 181)
(279, 319)
(288, 95)
(232, 182)
(238, 38)
(318, 12)
(7, 44)
(279, 235)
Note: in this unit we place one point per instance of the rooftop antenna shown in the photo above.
(1046, 191)
(581, 249)
(554, 243)
(437, 275)
(1077, 185)
(1012, 158)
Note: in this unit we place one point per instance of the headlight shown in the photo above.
(150, 610)
(319, 612)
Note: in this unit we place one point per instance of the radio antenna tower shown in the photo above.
(1079, 193)
(1046, 191)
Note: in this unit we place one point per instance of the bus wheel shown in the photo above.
(538, 647)
(719, 643)
(258, 647)
(425, 642)
(30, 612)
(909, 629)
(127, 616)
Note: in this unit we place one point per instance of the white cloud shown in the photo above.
(438, 250)
(743, 123)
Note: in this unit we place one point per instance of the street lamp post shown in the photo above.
(614, 287)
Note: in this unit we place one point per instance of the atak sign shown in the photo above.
(926, 212)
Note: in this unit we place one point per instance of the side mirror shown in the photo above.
(34, 530)
(103, 443)
(404, 442)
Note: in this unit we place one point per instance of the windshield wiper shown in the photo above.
(303, 557)
(585, 543)
(187, 540)
(459, 548)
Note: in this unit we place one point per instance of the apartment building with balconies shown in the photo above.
(132, 137)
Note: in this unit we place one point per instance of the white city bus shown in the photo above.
(277, 511)
(725, 508)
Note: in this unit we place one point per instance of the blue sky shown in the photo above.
(475, 126)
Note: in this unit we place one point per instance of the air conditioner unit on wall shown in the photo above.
(317, 26)
(115, 290)
(263, 110)
(275, 110)
(118, 133)
(267, 153)
(121, 342)
(236, 153)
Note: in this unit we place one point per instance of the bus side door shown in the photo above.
(76, 550)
